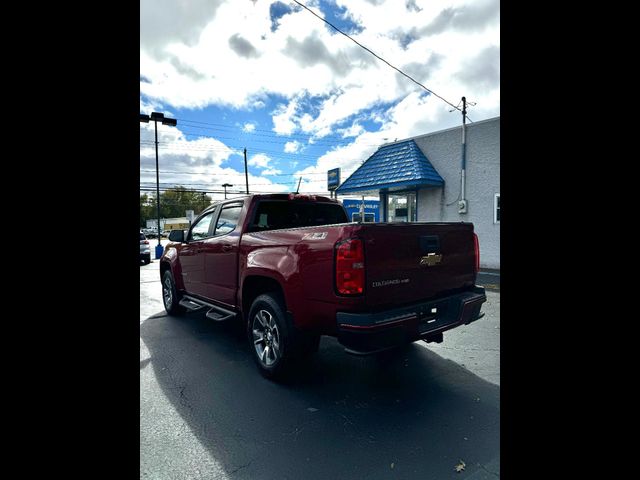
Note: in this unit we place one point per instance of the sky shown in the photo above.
(302, 98)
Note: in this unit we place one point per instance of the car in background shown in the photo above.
(145, 250)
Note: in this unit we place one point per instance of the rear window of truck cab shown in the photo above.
(279, 214)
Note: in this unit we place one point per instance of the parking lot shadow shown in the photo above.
(410, 415)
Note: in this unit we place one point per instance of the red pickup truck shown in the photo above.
(292, 268)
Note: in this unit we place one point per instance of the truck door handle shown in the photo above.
(226, 247)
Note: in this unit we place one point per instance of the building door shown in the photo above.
(401, 207)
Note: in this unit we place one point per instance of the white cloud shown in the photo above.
(197, 70)
(147, 107)
(196, 164)
(248, 127)
(271, 171)
(353, 131)
(284, 119)
(292, 147)
(225, 54)
(259, 160)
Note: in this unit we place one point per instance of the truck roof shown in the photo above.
(278, 196)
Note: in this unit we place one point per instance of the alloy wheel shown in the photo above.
(266, 338)
(167, 293)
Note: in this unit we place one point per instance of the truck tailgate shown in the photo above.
(411, 262)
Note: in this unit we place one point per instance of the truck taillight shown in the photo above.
(350, 267)
(146, 242)
(476, 251)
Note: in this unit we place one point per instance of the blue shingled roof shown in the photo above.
(399, 164)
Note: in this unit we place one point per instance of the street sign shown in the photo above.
(333, 179)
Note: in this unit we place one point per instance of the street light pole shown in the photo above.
(156, 116)
(159, 246)
(225, 189)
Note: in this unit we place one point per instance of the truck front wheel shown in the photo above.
(170, 296)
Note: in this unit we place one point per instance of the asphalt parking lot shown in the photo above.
(206, 413)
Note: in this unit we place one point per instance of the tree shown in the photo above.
(147, 209)
(174, 202)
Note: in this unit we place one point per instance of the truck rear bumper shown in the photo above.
(367, 333)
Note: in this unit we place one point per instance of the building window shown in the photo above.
(368, 217)
(401, 207)
(496, 208)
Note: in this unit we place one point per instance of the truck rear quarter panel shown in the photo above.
(302, 261)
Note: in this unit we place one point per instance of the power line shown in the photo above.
(281, 138)
(231, 174)
(205, 148)
(302, 158)
(273, 139)
(378, 56)
(229, 192)
(207, 183)
(305, 136)
(279, 141)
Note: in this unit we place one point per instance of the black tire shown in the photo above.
(170, 295)
(270, 340)
(146, 260)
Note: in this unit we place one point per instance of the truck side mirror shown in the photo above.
(177, 236)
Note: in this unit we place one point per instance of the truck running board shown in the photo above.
(220, 314)
(191, 305)
(214, 312)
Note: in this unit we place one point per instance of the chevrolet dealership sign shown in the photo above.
(333, 179)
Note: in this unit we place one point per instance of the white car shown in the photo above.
(145, 250)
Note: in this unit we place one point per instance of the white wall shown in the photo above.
(444, 151)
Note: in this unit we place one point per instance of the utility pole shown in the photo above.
(246, 172)
(225, 189)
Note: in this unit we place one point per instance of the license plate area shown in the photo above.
(433, 316)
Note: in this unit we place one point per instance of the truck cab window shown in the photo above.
(201, 229)
(228, 219)
(275, 215)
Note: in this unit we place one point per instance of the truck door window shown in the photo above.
(201, 229)
(228, 219)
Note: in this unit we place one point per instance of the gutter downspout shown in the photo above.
(462, 205)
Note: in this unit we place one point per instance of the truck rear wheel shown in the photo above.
(170, 296)
(270, 339)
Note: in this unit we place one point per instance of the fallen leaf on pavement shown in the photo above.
(460, 466)
(393, 465)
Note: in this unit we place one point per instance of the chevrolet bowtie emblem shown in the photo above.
(431, 260)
